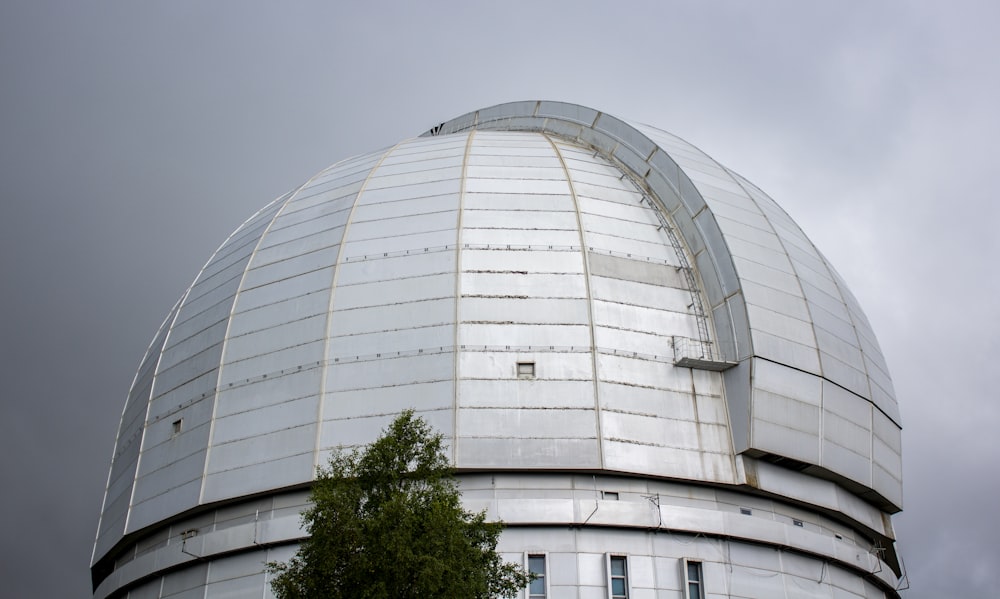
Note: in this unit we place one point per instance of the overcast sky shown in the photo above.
(134, 136)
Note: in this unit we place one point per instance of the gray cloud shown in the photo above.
(136, 136)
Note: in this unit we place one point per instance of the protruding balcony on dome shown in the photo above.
(692, 353)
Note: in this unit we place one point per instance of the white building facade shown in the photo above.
(641, 365)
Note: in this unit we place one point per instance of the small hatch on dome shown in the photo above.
(525, 370)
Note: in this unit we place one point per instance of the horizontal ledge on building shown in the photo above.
(626, 516)
(704, 364)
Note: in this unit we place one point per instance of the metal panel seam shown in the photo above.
(781, 568)
(229, 323)
(329, 306)
(458, 291)
(812, 322)
(599, 416)
(166, 339)
(121, 425)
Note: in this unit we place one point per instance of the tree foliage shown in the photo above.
(387, 522)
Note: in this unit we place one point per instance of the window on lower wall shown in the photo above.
(536, 566)
(693, 582)
(618, 576)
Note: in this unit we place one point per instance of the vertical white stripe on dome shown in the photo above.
(458, 295)
(599, 413)
(229, 323)
(812, 323)
(834, 277)
(329, 307)
(821, 413)
(118, 437)
(166, 340)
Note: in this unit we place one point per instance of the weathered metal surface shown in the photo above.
(625, 266)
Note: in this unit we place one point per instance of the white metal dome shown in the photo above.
(558, 292)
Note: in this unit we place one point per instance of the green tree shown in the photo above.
(387, 522)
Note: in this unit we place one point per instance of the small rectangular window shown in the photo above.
(797, 522)
(693, 581)
(609, 495)
(618, 570)
(177, 426)
(536, 567)
(746, 511)
(525, 370)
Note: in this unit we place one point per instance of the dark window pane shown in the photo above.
(618, 566)
(536, 564)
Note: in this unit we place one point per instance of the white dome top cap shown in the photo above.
(651, 167)
(669, 186)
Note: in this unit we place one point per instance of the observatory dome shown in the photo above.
(594, 313)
